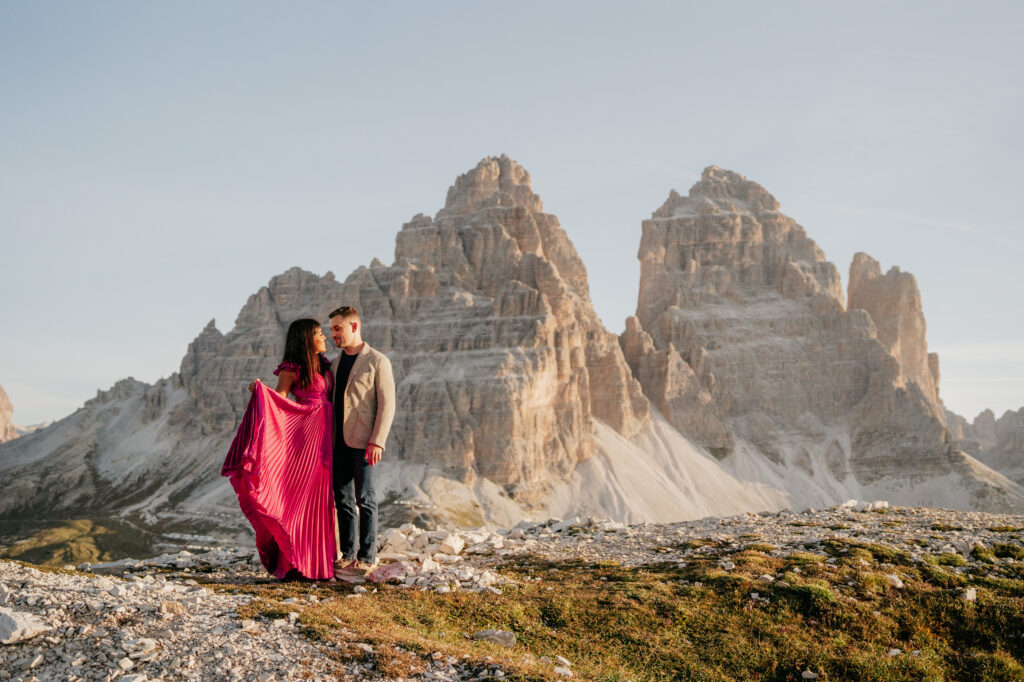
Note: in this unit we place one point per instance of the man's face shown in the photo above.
(344, 331)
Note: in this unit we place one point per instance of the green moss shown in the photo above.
(811, 595)
(950, 559)
(945, 527)
(941, 578)
(760, 547)
(983, 554)
(868, 550)
(1008, 550)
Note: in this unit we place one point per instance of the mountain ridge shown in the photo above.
(515, 400)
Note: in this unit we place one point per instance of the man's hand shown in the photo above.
(252, 386)
(373, 453)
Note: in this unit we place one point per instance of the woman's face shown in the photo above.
(320, 341)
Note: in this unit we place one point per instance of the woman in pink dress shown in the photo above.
(280, 461)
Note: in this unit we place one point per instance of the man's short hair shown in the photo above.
(345, 312)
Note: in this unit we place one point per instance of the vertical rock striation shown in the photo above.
(7, 430)
(742, 339)
(894, 304)
(501, 361)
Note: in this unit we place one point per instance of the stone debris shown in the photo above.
(105, 627)
(432, 560)
(894, 580)
(156, 622)
(918, 531)
(502, 637)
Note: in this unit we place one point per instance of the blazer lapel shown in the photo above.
(361, 359)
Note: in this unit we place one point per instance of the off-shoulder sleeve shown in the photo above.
(288, 366)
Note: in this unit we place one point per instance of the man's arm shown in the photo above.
(384, 384)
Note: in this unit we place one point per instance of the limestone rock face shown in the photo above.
(501, 366)
(500, 360)
(743, 341)
(999, 443)
(894, 303)
(7, 430)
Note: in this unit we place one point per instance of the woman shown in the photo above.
(280, 461)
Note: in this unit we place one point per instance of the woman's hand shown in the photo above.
(252, 386)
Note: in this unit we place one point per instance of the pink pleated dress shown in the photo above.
(280, 466)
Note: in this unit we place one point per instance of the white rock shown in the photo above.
(970, 594)
(894, 652)
(17, 626)
(172, 607)
(564, 672)
(141, 645)
(565, 525)
(452, 544)
(894, 580)
(809, 675)
(125, 664)
(502, 637)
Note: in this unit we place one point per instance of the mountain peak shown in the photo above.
(719, 191)
(496, 180)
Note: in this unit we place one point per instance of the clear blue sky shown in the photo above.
(159, 162)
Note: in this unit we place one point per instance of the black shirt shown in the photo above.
(345, 362)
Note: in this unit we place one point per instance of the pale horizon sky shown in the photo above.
(161, 162)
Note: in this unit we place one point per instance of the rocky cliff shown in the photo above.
(512, 397)
(487, 317)
(743, 340)
(514, 400)
(999, 443)
(894, 304)
(7, 430)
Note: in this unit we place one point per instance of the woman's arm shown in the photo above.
(285, 379)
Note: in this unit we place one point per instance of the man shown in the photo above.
(364, 408)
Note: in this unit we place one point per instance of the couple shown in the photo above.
(292, 460)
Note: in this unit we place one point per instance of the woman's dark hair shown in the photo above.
(300, 349)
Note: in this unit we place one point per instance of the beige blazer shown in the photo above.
(369, 399)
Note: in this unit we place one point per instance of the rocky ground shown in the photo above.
(173, 617)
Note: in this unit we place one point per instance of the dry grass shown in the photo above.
(697, 621)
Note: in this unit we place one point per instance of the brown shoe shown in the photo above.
(343, 566)
(361, 567)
